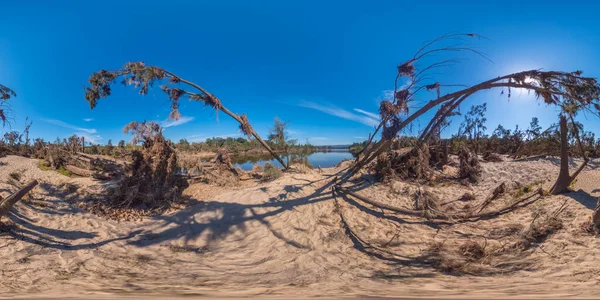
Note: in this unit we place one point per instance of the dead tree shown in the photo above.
(553, 87)
(144, 77)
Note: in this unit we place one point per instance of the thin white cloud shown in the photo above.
(341, 113)
(319, 138)
(66, 125)
(372, 115)
(90, 138)
(172, 123)
(88, 119)
(360, 137)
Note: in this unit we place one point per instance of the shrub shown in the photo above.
(64, 171)
(271, 172)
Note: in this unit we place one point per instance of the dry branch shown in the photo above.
(439, 215)
(355, 235)
(9, 202)
(499, 190)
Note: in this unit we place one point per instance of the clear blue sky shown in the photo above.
(314, 63)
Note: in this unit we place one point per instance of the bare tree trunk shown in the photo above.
(8, 203)
(564, 179)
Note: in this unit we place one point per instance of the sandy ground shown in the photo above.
(282, 239)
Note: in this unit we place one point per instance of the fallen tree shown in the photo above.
(144, 77)
(10, 201)
(562, 89)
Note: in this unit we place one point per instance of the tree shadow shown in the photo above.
(392, 217)
(584, 198)
(556, 161)
(26, 229)
(46, 237)
(230, 217)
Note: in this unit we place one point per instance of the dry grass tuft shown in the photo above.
(468, 165)
(588, 227)
(427, 202)
(472, 250)
(467, 258)
(539, 230)
(506, 231)
(270, 172)
(492, 157)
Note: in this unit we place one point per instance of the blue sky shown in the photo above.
(322, 65)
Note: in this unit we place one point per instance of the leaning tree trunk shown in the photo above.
(564, 179)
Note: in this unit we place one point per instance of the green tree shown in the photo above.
(474, 125)
(534, 129)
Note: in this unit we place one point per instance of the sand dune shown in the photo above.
(282, 239)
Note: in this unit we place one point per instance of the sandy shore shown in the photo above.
(282, 239)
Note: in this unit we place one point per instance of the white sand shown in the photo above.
(278, 240)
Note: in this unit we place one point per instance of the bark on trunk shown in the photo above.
(564, 179)
(8, 203)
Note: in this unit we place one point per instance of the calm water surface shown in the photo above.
(322, 159)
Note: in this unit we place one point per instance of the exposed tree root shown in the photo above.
(442, 216)
(353, 234)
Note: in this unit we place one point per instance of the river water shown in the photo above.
(317, 159)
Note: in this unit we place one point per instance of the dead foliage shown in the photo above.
(467, 258)
(474, 257)
(151, 180)
(150, 186)
(428, 203)
(588, 227)
(468, 165)
(270, 172)
(219, 171)
(492, 157)
(497, 192)
(540, 228)
(406, 163)
(506, 231)
(439, 155)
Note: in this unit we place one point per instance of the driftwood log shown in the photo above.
(87, 173)
(9, 202)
